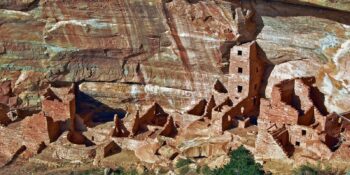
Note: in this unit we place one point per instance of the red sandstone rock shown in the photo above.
(10, 146)
(6, 95)
(4, 119)
(183, 49)
(28, 138)
(36, 132)
(59, 103)
(119, 129)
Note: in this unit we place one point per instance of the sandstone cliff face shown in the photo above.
(332, 4)
(300, 40)
(168, 51)
(122, 56)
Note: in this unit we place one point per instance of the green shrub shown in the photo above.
(241, 163)
(309, 169)
(88, 172)
(183, 162)
(184, 170)
(207, 171)
(121, 171)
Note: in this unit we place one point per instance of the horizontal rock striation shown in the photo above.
(169, 78)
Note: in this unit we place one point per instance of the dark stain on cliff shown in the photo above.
(182, 50)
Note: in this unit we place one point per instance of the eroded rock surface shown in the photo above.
(339, 4)
(144, 83)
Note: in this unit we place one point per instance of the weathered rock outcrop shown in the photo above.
(82, 41)
(299, 42)
(339, 5)
(137, 76)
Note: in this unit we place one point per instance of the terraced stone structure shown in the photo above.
(295, 121)
(142, 84)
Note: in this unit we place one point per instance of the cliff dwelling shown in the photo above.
(174, 87)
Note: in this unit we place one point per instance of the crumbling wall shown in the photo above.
(266, 147)
(6, 95)
(59, 106)
(320, 120)
(333, 125)
(278, 113)
(111, 149)
(292, 106)
(228, 122)
(169, 129)
(153, 116)
(319, 148)
(299, 135)
(199, 108)
(119, 129)
(283, 92)
(55, 128)
(239, 115)
(301, 100)
(219, 87)
(318, 100)
(4, 119)
(136, 124)
(226, 103)
(35, 131)
(308, 118)
(60, 111)
(209, 107)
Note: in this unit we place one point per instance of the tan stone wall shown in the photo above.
(283, 92)
(266, 147)
(280, 113)
(302, 134)
(239, 70)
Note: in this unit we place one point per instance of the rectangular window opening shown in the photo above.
(297, 143)
(240, 70)
(303, 132)
(240, 53)
(239, 89)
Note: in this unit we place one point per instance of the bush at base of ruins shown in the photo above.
(183, 166)
(309, 169)
(89, 172)
(183, 162)
(241, 163)
(118, 171)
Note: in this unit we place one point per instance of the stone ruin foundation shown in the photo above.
(292, 124)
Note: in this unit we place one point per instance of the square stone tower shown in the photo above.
(245, 72)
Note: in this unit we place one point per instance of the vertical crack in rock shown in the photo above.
(182, 50)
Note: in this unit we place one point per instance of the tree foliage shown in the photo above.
(183, 162)
(309, 169)
(241, 163)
